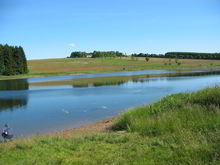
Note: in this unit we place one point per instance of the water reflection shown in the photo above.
(12, 103)
(47, 109)
(9, 98)
(147, 78)
(10, 85)
(14, 93)
(99, 84)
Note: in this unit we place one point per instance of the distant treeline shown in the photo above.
(96, 54)
(12, 60)
(192, 55)
(178, 55)
(148, 55)
(182, 55)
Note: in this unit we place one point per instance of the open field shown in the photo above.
(179, 129)
(97, 65)
(68, 66)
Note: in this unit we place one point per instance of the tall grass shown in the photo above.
(189, 124)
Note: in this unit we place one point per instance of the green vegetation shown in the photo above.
(96, 54)
(101, 65)
(181, 55)
(178, 55)
(193, 55)
(12, 60)
(179, 129)
(147, 55)
(184, 128)
(79, 55)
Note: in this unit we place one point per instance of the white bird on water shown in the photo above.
(65, 111)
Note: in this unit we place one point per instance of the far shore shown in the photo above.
(80, 66)
(72, 74)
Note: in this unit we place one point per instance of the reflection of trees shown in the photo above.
(170, 76)
(21, 84)
(11, 103)
(98, 84)
(113, 83)
(192, 74)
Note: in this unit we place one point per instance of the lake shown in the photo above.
(32, 110)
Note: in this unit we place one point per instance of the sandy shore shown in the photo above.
(88, 129)
(102, 126)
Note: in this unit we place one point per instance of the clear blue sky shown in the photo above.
(54, 28)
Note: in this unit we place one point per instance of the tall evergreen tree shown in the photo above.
(12, 60)
(18, 61)
(8, 61)
(2, 66)
(24, 60)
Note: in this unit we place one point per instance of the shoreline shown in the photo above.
(17, 77)
(100, 126)
(187, 70)
(81, 82)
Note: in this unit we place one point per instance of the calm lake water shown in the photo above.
(31, 110)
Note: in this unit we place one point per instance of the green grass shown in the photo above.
(185, 125)
(179, 129)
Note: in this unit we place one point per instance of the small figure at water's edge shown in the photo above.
(6, 134)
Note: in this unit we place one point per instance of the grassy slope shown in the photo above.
(66, 66)
(179, 129)
(97, 65)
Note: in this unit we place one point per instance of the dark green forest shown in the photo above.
(182, 55)
(12, 60)
(193, 55)
(148, 55)
(179, 55)
(96, 54)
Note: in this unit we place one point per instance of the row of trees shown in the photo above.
(148, 55)
(12, 60)
(178, 55)
(182, 55)
(96, 54)
(79, 55)
(193, 55)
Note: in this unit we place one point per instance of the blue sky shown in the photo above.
(55, 28)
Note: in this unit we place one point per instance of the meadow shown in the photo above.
(69, 66)
(179, 129)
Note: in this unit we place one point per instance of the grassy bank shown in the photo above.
(68, 66)
(179, 129)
